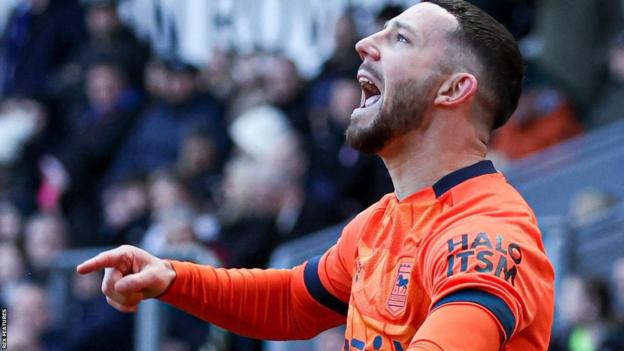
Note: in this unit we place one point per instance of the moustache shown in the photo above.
(368, 67)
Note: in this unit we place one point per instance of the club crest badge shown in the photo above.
(398, 297)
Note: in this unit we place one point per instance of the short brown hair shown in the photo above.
(496, 50)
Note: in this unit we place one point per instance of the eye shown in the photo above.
(400, 38)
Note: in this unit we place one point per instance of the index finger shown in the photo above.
(103, 260)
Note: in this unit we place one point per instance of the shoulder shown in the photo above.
(486, 202)
(370, 216)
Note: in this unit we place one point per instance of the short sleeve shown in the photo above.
(495, 264)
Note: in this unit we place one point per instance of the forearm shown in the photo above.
(266, 304)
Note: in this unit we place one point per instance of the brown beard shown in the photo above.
(398, 115)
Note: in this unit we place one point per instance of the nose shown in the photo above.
(366, 48)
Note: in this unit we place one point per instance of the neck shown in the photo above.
(421, 157)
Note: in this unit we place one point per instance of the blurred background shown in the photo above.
(212, 131)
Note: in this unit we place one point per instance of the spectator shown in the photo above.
(155, 79)
(616, 338)
(96, 134)
(167, 190)
(154, 142)
(340, 177)
(618, 282)
(544, 117)
(248, 78)
(590, 204)
(88, 315)
(12, 270)
(21, 120)
(199, 165)
(574, 39)
(265, 201)
(106, 36)
(216, 75)
(45, 236)
(24, 138)
(31, 320)
(174, 214)
(175, 227)
(343, 63)
(125, 213)
(40, 36)
(586, 309)
(10, 222)
(609, 106)
(287, 91)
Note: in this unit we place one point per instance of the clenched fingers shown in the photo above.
(121, 307)
(125, 298)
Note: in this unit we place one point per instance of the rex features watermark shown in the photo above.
(3, 328)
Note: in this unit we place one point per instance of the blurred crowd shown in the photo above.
(104, 142)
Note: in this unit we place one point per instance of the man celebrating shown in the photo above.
(452, 260)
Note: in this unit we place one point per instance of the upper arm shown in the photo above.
(328, 277)
(462, 327)
(496, 265)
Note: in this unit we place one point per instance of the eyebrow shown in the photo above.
(398, 24)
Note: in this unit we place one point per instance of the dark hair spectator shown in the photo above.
(94, 136)
(11, 222)
(125, 212)
(40, 36)
(285, 89)
(12, 269)
(200, 164)
(31, 322)
(586, 310)
(155, 140)
(608, 107)
(340, 177)
(88, 315)
(45, 235)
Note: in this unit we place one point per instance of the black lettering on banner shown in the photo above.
(500, 259)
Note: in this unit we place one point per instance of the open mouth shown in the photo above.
(370, 92)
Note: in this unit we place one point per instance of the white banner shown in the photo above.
(302, 29)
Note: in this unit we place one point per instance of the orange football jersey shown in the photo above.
(469, 239)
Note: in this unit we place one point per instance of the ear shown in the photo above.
(456, 89)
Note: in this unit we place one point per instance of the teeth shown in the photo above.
(368, 85)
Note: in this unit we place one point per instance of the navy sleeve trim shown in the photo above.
(317, 290)
(493, 303)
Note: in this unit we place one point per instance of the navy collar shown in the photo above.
(461, 175)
